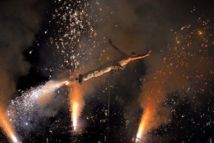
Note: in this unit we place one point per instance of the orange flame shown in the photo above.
(76, 104)
(7, 127)
(141, 128)
(146, 121)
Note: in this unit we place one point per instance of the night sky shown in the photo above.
(43, 40)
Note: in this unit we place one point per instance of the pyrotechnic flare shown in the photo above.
(140, 131)
(21, 110)
(7, 127)
(43, 93)
(145, 121)
(76, 104)
(76, 97)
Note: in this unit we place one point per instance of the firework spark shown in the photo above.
(185, 67)
(21, 110)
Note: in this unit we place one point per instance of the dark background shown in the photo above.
(188, 125)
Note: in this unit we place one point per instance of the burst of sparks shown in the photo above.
(73, 21)
(22, 108)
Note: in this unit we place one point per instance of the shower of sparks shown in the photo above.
(7, 127)
(21, 109)
(72, 24)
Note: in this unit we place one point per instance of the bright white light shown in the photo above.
(66, 83)
(14, 139)
(75, 116)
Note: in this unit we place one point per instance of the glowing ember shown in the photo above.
(200, 32)
(7, 127)
(76, 104)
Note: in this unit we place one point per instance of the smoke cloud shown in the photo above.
(186, 67)
(133, 27)
(19, 22)
(148, 24)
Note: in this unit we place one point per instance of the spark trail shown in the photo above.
(21, 110)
